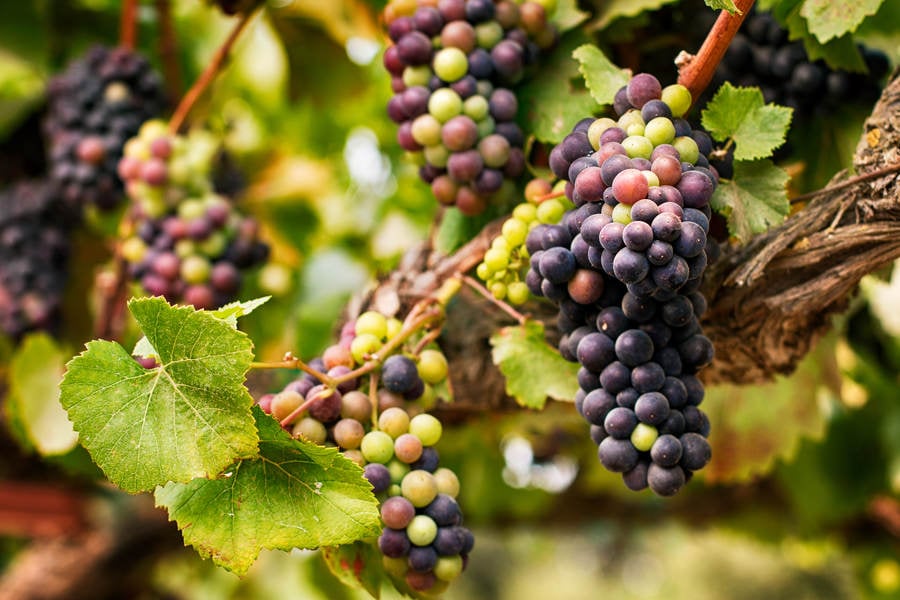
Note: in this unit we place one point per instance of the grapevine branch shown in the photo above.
(168, 48)
(128, 24)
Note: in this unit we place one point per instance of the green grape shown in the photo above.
(426, 130)
(687, 148)
(413, 76)
(311, 430)
(444, 104)
(638, 146)
(377, 446)
(133, 249)
(284, 403)
(419, 487)
(651, 177)
(195, 269)
(597, 128)
(622, 213)
(517, 293)
(363, 345)
(394, 325)
(448, 568)
(643, 436)
(678, 97)
(660, 131)
(447, 482)
(394, 422)
(550, 211)
(514, 231)
(396, 567)
(427, 428)
(371, 322)
(450, 64)
(483, 271)
(432, 366)
(422, 530)
(525, 212)
(476, 107)
(398, 470)
(498, 290)
(496, 259)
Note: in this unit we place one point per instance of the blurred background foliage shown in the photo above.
(802, 499)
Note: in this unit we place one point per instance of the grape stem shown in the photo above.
(894, 168)
(696, 71)
(209, 74)
(505, 307)
(168, 48)
(128, 24)
(550, 196)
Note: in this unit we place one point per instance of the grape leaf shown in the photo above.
(827, 19)
(722, 5)
(533, 370)
(229, 313)
(610, 10)
(741, 114)
(552, 104)
(603, 78)
(294, 494)
(838, 53)
(356, 565)
(567, 15)
(190, 417)
(754, 200)
(35, 373)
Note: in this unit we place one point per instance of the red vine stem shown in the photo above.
(519, 317)
(168, 48)
(695, 72)
(128, 24)
(894, 168)
(208, 75)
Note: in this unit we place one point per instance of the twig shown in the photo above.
(519, 317)
(696, 71)
(109, 320)
(894, 168)
(128, 24)
(168, 48)
(208, 75)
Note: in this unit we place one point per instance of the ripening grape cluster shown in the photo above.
(452, 65)
(423, 543)
(34, 250)
(762, 55)
(625, 268)
(189, 244)
(94, 107)
(506, 262)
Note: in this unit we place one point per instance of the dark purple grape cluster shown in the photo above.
(34, 251)
(625, 268)
(762, 55)
(94, 107)
(233, 7)
(452, 67)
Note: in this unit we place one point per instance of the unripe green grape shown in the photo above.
(450, 64)
(498, 290)
(651, 177)
(371, 322)
(643, 436)
(363, 345)
(413, 76)
(597, 128)
(517, 293)
(154, 206)
(394, 422)
(485, 126)
(660, 131)
(415, 158)
(394, 325)
(476, 107)
(432, 366)
(634, 129)
(419, 487)
(496, 259)
(447, 482)
(377, 446)
(501, 243)
(483, 271)
(515, 231)
(214, 245)
(448, 568)
(133, 249)
(311, 430)
(678, 97)
(191, 209)
(284, 403)
(525, 212)
(426, 130)
(185, 248)
(395, 567)
(630, 118)
(422, 530)
(437, 155)
(638, 146)
(687, 148)
(427, 428)
(550, 211)
(444, 104)
(488, 34)
(622, 213)
(398, 470)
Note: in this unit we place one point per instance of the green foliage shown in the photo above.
(740, 114)
(610, 10)
(828, 20)
(189, 417)
(754, 200)
(356, 565)
(602, 77)
(518, 351)
(568, 15)
(722, 5)
(294, 494)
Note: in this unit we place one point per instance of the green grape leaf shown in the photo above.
(357, 565)
(229, 313)
(190, 417)
(551, 103)
(533, 370)
(35, 372)
(722, 5)
(754, 200)
(294, 494)
(752, 427)
(610, 10)
(838, 53)
(827, 19)
(742, 115)
(567, 15)
(602, 77)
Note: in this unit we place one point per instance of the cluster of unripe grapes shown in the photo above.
(93, 108)
(188, 243)
(625, 268)
(452, 66)
(370, 406)
(506, 262)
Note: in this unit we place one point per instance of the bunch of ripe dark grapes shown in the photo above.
(452, 66)
(761, 55)
(94, 107)
(625, 268)
(34, 250)
(188, 244)
(376, 419)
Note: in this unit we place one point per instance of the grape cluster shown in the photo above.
(451, 69)
(34, 250)
(762, 55)
(189, 244)
(625, 267)
(506, 262)
(94, 107)
(424, 544)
